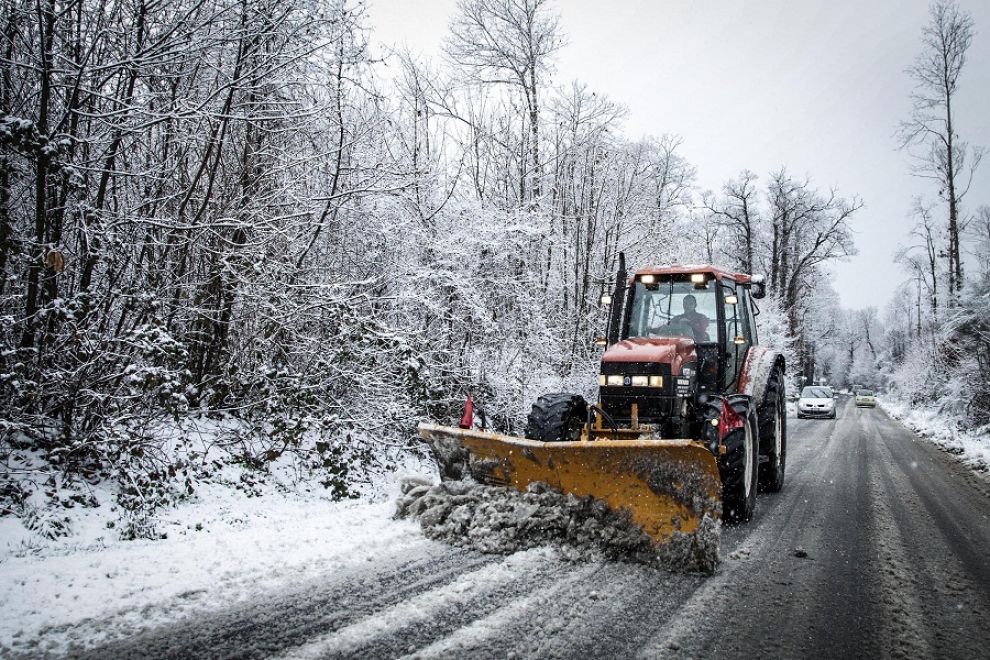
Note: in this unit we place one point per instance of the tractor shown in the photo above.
(690, 419)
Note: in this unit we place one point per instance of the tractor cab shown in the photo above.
(673, 306)
(674, 333)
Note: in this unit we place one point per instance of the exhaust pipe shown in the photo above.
(618, 302)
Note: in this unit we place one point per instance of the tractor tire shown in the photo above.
(739, 466)
(557, 418)
(773, 435)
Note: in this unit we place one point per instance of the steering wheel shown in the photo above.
(673, 328)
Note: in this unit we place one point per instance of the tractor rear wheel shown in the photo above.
(557, 418)
(739, 466)
(773, 434)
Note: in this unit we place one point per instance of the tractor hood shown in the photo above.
(674, 351)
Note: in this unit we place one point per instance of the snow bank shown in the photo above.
(502, 520)
(972, 447)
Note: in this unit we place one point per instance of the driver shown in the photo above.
(694, 318)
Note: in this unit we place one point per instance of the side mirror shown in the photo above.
(758, 287)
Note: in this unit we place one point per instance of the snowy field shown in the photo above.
(221, 550)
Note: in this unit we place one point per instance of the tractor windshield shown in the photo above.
(672, 308)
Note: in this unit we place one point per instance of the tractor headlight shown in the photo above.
(618, 380)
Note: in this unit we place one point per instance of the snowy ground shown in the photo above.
(224, 549)
(972, 447)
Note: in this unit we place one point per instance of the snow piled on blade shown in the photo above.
(498, 520)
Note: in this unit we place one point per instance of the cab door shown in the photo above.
(738, 333)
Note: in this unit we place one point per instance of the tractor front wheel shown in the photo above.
(557, 418)
(739, 466)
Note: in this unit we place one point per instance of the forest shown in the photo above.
(235, 233)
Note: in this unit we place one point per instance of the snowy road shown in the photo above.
(897, 537)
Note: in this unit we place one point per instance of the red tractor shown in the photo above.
(690, 417)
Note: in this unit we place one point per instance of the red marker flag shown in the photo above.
(467, 419)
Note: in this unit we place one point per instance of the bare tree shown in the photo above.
(808, 229)
(509, 42)
(929, 134)
(710, 230)
(738, 211)
(980, 229)
(868, 323)
(665, 178)
(924, 265)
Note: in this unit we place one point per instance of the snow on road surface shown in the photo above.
(426, 607)
(245, 546)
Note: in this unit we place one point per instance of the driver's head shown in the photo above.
(690, 303)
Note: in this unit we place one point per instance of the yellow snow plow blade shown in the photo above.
(666, 486)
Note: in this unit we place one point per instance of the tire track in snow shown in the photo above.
(610, 615)
(604, 610)
(390, 631)
(482, 636)
(930, 568)
(274, 622)
(708, 603)
(903, 618)
(766, 601)
(945, 492)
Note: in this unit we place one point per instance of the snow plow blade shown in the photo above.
(666, 486)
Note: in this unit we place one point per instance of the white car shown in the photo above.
(866, 398)
(816, 401)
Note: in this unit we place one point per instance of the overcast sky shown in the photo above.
(816, 85)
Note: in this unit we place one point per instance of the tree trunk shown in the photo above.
(46, 24)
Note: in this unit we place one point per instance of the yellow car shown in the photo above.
(866, 399)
